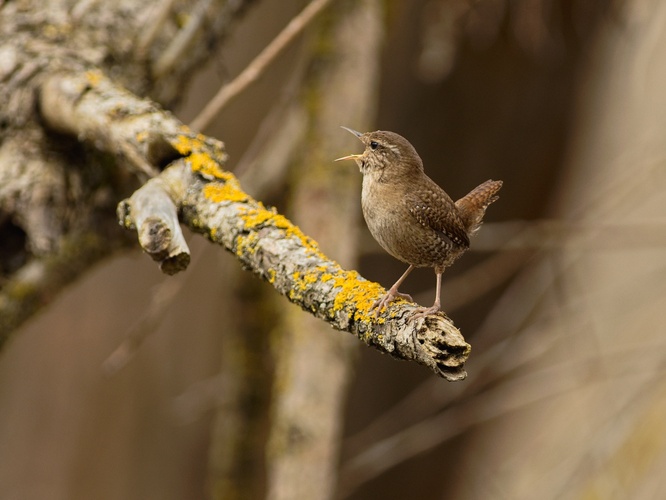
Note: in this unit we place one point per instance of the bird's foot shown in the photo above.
(422, 312)
(386, 299)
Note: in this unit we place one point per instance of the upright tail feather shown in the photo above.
(472, 206)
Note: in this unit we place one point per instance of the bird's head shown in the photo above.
(386, 154)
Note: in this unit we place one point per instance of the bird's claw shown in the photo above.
(386, 299)
(422, 312)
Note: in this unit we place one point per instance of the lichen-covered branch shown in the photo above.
(57, 193)
(269, 245)
(211, 201)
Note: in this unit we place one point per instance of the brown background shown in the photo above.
(564, 101)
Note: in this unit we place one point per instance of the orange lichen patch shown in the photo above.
(362, 293)
(94, 77)
(228, 191)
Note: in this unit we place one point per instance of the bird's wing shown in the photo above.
(434, 209)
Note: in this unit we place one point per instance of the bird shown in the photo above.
(410, 215)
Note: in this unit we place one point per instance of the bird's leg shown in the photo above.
(426, 311)
(392, 293)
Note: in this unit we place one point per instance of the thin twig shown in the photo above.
(252, 72)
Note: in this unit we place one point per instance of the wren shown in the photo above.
(409, 215)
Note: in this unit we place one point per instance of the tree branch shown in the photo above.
(210, 201)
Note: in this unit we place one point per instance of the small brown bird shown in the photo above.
(409, 215)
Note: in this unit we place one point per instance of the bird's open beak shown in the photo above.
(351, 130)
(349, 157)
(357, 134)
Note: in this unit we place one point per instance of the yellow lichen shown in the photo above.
(203, 155)
(362, 293)
(185, 144)
(260, 217)
(219, 192)
(256, 217)
(352, 290)
(207, 166)
(310, 278)
(302, 282)
(94, 77)
(246, 245)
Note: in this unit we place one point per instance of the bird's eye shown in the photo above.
(374, 144)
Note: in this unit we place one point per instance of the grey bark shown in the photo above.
(57, 191)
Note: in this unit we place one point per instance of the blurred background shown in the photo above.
(563, 296)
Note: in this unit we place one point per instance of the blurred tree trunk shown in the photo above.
(313, 368)
(583, 415)
(236, 463)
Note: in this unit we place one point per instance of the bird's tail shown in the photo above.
(473, 206)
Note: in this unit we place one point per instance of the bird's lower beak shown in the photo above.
(351, 130)
(349, 157)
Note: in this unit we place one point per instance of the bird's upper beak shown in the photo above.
(351, 157)
(351, 130)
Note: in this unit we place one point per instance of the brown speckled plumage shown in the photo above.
(409, 215)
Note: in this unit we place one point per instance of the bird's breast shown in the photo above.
(398, 232)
